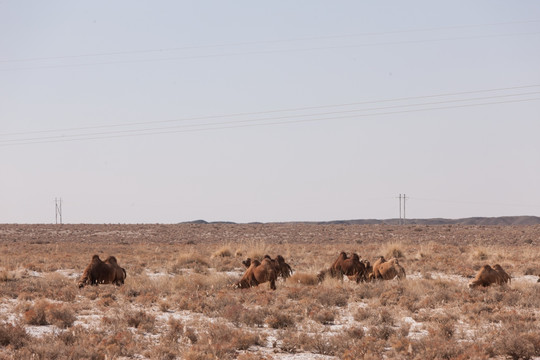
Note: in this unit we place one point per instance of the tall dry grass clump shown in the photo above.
(393, 250)
(222, 252)
(303, 279)
(254, 249)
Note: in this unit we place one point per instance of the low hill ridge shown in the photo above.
(501, 220)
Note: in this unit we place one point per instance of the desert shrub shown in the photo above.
(223, 252)
(6, 275)
(367, 347)
(175, 330)
(303, 279)
(61, 315)
(480, 254)
(36, 315)
(393, 250)
(233, 312)
(191, 334)
(79, 344)
(193, 261)
(221, 342)
(59, 288)
(531, 271)
(332, 297)
(164, 306)
(443, 326)
(320, 344)
(382, 332)
(140, 320)
(279, 320)
(364, 313)
(517, 341)
(384, 317)
(316, 343)
(256, 249)
(322, 315)
(254, 316)
(164, 352)
(392, 295)
(13, 335)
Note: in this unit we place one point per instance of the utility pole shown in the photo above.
(399, 209)
(402, 218)
(58, 210)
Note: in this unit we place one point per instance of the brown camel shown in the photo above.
(488, 275)
(387, 270)
(352, 267)
(257, 273)
(103, 272)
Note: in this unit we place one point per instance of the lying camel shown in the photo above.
(103, 272)
(351, 267)
(488, 275)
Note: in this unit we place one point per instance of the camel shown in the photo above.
(103, 272)
(505, 278)
(375, 268)
(257, 273)
(387, 270)
(283, 269)
(488, 275)
(352, 267)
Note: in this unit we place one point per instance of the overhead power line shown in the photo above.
(236, 44)
(276, 51)
(228, 125)
(296, 109)
(199, 125)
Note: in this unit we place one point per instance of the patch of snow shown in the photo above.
(40, 331)
(33, 273)
(416, 330)
(440, 276)
(526, 279)
(69, 273)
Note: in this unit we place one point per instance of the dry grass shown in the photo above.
(178, 303)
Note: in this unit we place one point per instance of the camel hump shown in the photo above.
(111, 260)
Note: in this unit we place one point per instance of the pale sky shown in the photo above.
(244, 111)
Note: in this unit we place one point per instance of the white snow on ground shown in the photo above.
(440, 276)
(70, 273)
(416, 331)
(41, 330)
(526, 279)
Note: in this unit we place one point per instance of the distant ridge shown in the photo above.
(502, 220)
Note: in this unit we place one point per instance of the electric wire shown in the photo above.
(309, 38)
(232, 126)
(266, 52)
(131, 124)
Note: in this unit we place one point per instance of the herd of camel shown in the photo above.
(268, 270)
